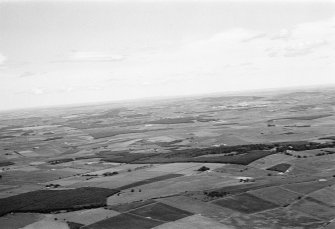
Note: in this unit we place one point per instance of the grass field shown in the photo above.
(32, 177)
(276, 195)
(49, 223)
(160, 211)
(326, 195)
(245, 203)
(276, 218)
(242, 170)
(86, 216)
(318, 210)
(308, 187)
(271, 160)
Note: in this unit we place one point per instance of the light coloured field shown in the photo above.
(4, 187)
(74, 170)
(184, 168)
(325, 195)
(19, 190)
(87, 164)
(323, 162)
(24, 168)
(314, 165)
(171, 187)
(82, 166)
(28, 153)
(68, 181)
(47, 223)
(162, 139)
(121, 168)
(86, 216)
(35, 177)
(309, 187)
(271, 160)
(313, 152)
(38, 127)
(19, 220)
(193, 222)
(242, 170)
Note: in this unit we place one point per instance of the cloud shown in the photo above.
(283, 34)
(254, 37)
(296, 48)
(303, 48)
(246, 64)
(236, 35)
(26, 74)
(2, 59)
(66, 89)
(94, 57)
(37, 91)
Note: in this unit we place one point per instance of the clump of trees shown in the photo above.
(52, 185)
(203, 169)
(216, 194)
(106, 174)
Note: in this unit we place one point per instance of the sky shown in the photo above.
(68, 52)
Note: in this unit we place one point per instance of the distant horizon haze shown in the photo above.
(141, 100)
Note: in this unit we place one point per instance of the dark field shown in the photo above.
(148, 181)
(5, 163)
(54, 200)
(283, 167)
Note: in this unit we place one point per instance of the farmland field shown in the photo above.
(160, 211)
(245, 203)
(276, 195)
(318, 210)
(125, 221)
(52, 200)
